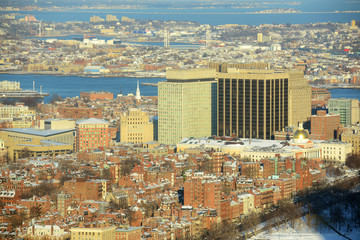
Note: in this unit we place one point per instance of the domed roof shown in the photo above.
(301, 134)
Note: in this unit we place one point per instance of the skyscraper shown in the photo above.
(253, 103)
(187, 105)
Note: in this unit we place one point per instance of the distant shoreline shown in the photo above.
(337, 87)
(179, 13)
(78, 75)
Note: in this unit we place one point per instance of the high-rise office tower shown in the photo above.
(187, 105)
(253, 103)
(347, 108)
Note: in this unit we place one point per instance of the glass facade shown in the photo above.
(252, 108)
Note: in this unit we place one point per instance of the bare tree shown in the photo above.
(353, 161)
(35, 211)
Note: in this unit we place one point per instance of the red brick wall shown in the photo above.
(97, 95)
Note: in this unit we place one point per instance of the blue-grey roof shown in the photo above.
(129, 229)
(38, 132)
(44, 143)
(92, 121)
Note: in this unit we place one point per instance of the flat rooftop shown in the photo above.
(38, 132)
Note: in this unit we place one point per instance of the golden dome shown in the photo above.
(301, 134)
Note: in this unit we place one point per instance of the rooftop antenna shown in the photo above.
(166, 39)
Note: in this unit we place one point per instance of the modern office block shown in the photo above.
(347, 108)
(253, 103)
(187, 105)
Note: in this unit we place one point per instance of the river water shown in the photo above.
(313, 11)
(71, 86)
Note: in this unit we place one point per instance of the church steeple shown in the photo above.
(137, 95)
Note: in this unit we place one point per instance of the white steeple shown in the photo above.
(137, 95)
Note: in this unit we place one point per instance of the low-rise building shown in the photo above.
(129, 233)
(352, 138)
(90, 232)
(51, 232)
(30, 142)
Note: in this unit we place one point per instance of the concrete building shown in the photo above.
(248, 201)
(187, 105)
(257, 149)
(30, 142)
(91, 133)
(135, 127)
(354, 139)
(95, 70)
(275, 47)
(57, 124)
(9, 86)
(95, 19)
(259, 38)
(111, 18)
(253, 103)
(334, 150)
(324, 126)
(63, 202)
(15, 111)
(47, 232)
(93, 233)
(347, 108)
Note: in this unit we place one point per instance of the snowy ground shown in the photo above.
(303, 232)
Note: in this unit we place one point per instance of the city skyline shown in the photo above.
(155, 120)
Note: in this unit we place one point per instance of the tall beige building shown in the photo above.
(353, 138)
(253, 103)
(135, 127)
(187, 105)
(299, 97)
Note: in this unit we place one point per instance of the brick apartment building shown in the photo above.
(202, 191)
(91, 133)
(324, 126)
(83, 189)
